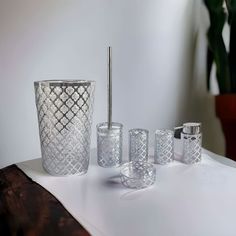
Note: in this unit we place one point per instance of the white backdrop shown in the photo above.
(153, 56)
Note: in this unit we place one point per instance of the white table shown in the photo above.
(194, 200)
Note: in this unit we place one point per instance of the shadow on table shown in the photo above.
(113, 182)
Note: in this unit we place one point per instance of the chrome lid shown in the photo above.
(192, 128)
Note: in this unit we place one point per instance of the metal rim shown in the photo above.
(164, 132)
(138, 131)
(103, 127)
(63, 82)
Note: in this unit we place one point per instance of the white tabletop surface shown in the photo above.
(186, 200)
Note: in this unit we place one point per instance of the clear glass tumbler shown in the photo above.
(138, 145)
(109, 144)
(65, 116)
(164, 146)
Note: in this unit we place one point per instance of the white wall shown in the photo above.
(153, 44)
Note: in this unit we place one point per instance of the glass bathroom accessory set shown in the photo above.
(65, 110)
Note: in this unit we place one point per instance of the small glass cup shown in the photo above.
(109, 144)
(138, 145)
(137, 175)
(164, 146)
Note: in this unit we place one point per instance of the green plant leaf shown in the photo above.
(210, 59)
(214, 5)
(216, 44)
(231, 5)
(232, 54)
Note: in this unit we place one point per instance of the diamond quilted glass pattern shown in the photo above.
(137, 175)
(65, 116)
(164, 147)
(109, 144)
(192, 145)
(138, 145)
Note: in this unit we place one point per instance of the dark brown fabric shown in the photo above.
(27, 209)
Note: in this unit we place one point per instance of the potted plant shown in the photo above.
(223, 12)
